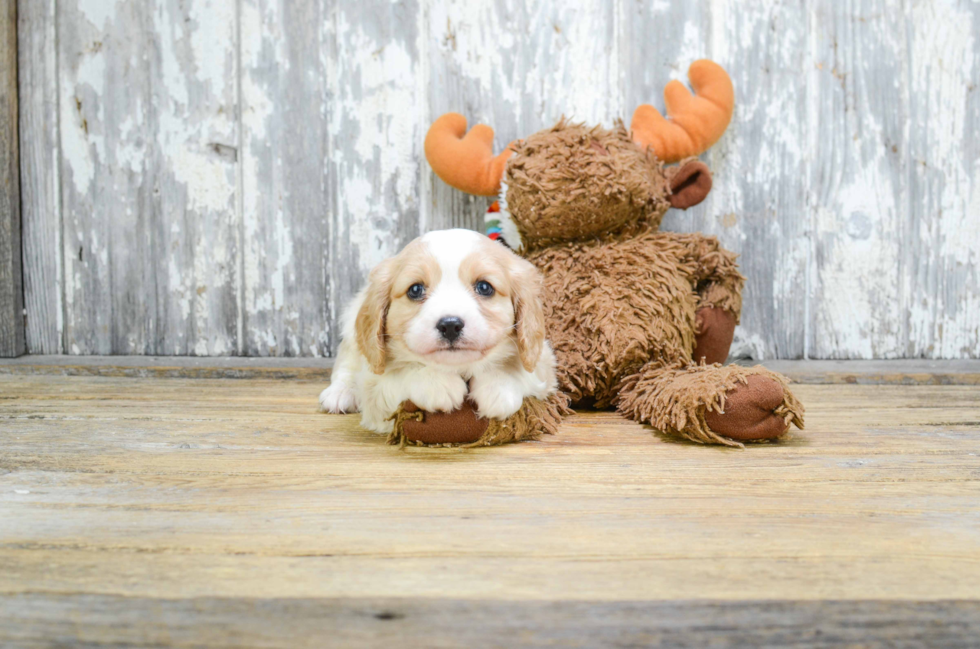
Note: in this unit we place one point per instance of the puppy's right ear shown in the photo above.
(528, 313)
(371, 318)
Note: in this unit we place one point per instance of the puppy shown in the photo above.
(454, 313)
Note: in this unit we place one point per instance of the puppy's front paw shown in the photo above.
(442, 394)
(496, 399)
(338, 398)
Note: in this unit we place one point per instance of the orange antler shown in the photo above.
(466, 163)
(694, 122)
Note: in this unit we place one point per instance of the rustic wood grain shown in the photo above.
(148, 107)
(288, 187)
(759, 192)
(518, 68)
(890, 372)
(11, 287)
(104, 620)
(214, 210)
(145, 504)
(859, 101)
(187, 367)
(942, 253)
(375, 114)
(40, 166)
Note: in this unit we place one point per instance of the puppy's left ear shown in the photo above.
(528, 312)
(373, 315)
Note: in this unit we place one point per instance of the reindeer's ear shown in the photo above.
(528, 312)
(689, 183)
(373, 314)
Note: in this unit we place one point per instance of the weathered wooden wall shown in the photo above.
(216, 176)
(11, 288)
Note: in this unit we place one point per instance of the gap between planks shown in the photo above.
(817, 372)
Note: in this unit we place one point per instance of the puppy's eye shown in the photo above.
(483, 288)
(416, 292)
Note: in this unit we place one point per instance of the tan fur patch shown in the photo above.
(413, 265)
(371, 322)
(386, 311)
(519, 281)
(491, 263)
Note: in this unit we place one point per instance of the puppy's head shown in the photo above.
(451, 298)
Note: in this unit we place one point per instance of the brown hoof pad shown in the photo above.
(458, 427)
(716, 330)
(750, 411)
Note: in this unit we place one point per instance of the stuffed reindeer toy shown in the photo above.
(640, 320)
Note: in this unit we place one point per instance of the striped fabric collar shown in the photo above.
(499, 224)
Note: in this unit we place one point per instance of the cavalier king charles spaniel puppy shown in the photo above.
(454, 315)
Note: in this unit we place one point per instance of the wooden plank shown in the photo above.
(173, 489)
(288, 189)
(942, 296)
(186, 367)
(376, 100)
(894, 372)
(105, 620)
(39, 169)
(835, 182)
(858, 112)
(518, 68)
(890, 372)
(149, 143)
(647, 43)
(11, 287)
(758, 202)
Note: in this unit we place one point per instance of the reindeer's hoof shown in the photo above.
(752, 411)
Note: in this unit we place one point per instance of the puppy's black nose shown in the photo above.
(450, 327)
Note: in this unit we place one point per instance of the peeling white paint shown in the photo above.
(747, 345)
(174, 76)
(284, 260)
(692, 48)
(385, 144)
(213, 30)
(131, 152)
(209, 182)
(859, 188)
(98, 12)
(82, 142)
(944, 44)
(860, 305)
(877, 130)
(943, 304)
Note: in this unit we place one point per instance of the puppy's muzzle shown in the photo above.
(450, 328)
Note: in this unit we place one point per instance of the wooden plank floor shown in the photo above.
(199, 512)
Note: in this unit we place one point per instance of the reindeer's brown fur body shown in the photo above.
(622, 300)
(613, 305)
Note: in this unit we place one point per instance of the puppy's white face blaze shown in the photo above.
(398, 343)
(451, 298)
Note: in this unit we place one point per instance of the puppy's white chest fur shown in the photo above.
(453, 314)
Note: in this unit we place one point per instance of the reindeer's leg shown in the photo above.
(712, 404)
(719, 287)
(714, 334)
